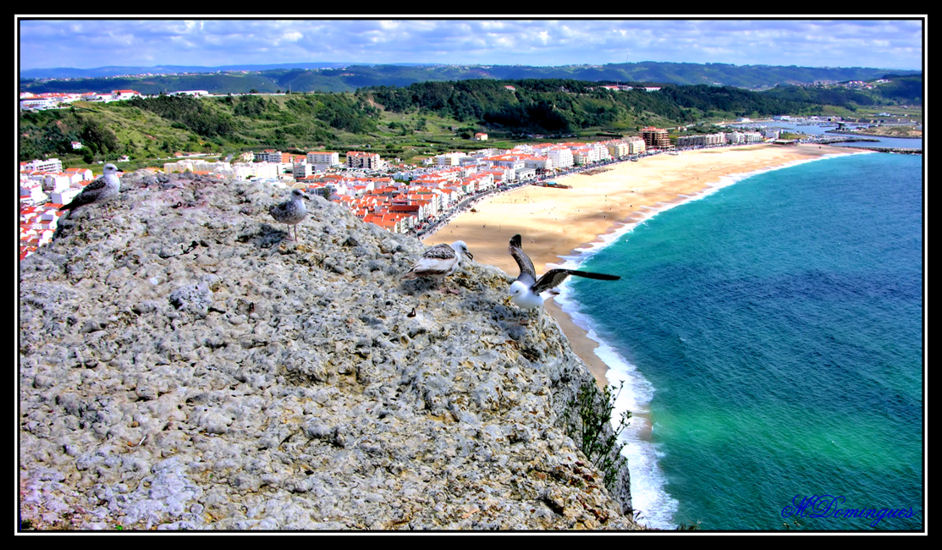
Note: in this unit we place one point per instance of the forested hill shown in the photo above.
(421, 118)
(222, 80)
(561, 106)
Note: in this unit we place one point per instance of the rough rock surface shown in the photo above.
(185, 365)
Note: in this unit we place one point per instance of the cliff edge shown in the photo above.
(184, 364)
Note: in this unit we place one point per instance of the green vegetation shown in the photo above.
(418, 120)
(569, 106)
(552, 106)
(593, 431)
(901, 90)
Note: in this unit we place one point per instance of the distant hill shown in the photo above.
(56, 73)
(336, 77)
(419, 119)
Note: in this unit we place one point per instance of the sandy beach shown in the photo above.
(555, 223)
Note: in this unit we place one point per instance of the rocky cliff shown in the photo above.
(184, 364)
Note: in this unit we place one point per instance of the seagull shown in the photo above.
(105, 187)
(291, 211)
(526, 289)
(440, 261)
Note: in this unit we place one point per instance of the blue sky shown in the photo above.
(891, 42)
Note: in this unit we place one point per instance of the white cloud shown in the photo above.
(90, 43)
(291, 36)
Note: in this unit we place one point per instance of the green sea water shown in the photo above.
(770, 336)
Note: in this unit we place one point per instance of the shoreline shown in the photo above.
(600, 207)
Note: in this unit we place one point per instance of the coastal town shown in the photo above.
(507, 274)
(404, 198)
(411, 199)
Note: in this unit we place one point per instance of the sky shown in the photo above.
(891, 42)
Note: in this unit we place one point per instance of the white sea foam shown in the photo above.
(648, 483)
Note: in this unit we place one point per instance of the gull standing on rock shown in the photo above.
(103, 188)
(292, 211)
(526, 289)
(440, 261)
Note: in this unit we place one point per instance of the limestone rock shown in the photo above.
(183, 365)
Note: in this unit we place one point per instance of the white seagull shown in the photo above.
(526, 289)
(292, 211)
(440, 261)
(105, 187)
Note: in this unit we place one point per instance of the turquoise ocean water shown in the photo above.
(769, 336)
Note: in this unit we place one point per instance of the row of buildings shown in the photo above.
(409, 200)
(44, 187)
(719, 138)
(400, 198)
(404, 198)
(54, 100)
(658, 138)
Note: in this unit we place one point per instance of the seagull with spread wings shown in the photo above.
(526, 289)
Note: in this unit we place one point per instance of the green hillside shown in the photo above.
(150, 130)
(410, 122)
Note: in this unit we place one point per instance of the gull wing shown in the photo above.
(527, 272)
(440, 252)
(555, 277)
(95, 185)
(87, 195)
(436, 261)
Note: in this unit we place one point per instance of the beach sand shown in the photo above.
(555, 223)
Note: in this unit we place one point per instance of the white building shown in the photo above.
(38, 103)
(303, 169)
(525, 174)
(617, 148)
(450, 159)
(359, 159)
(537, 162)
(636, 145)
(509, 162)
(198, 165)
(31, 192)
(255, 170)
(65, 196)
(753, 137)
(702, 140)
(56, 181)
(738, 138)
(192, 93)
(560, 157)
(589, 153)
(323, 160)
(123, 95)
(79, 174)
(47, 165)
(268, 155)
